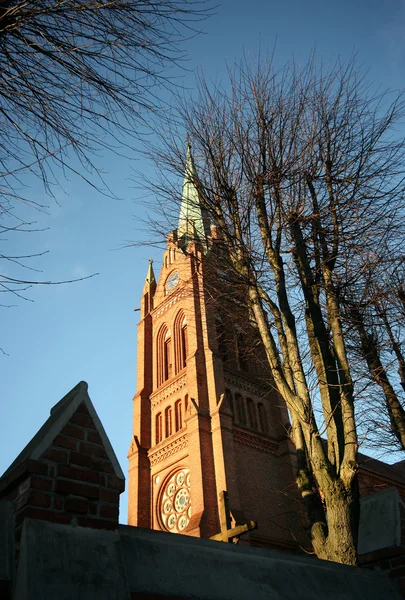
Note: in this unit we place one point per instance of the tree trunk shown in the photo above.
(334, 537)
(341, 541)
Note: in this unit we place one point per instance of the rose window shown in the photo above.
(175, 502)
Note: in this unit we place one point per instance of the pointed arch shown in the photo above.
(178, 416)
(229, 400)
(164, 355)
(251, 412)
(240, 409)
(264, 425)
(180, 341)
(221, 337)
(241, 354)
(168, 421)
(158, 428)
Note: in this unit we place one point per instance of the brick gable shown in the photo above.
(68, 473)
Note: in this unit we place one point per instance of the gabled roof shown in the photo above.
(59, 417)
(382, 469)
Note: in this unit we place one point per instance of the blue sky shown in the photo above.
(87, 330)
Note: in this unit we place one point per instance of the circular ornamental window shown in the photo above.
(175, 502)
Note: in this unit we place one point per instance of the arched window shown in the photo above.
(221, 338)
(164, 355)
(240, 409)
(178, 417)
(241, 355)
(253, 361)
(185, 404)
(229, 399)
(251, 411)
(158, 428)
(184, 343)
(168, 421)
(181, 341)
(264, 426)
(167, 357)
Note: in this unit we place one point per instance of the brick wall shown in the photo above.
(216, 461)
(73, 481)
(390, 560)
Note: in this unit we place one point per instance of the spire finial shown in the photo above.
(190, 166)
(150, 277)
(193, 221)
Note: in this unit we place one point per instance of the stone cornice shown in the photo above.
(169, 389)
(157, 455)
(368, 476)
(254, 441)
(244, 384)
(169, 301)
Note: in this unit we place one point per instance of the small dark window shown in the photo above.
(180, 343)
(159, 428)
(168, 421)
(184, 345)
(240, 409)
(264, 426)
(167, 359)
(243, 364)
(251, 411)
(178, 415)
(229, 399)
(164, 355)
(221, 338)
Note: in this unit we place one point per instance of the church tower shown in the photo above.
(205, 417)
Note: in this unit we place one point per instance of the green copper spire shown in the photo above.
(192, 221)
(150, 277)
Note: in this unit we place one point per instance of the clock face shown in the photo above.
(175, 502)
(172, 281)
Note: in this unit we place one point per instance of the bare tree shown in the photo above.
(76, 77)
(376, 320)
(303, 176)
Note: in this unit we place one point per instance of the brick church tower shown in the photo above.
(205, 417)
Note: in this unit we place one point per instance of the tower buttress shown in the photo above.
(139, 467)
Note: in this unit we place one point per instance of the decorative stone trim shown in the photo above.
(241, 383)
(248, 439)
(375, 480)
(168, 302)
(168, 390)
(157, 456)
